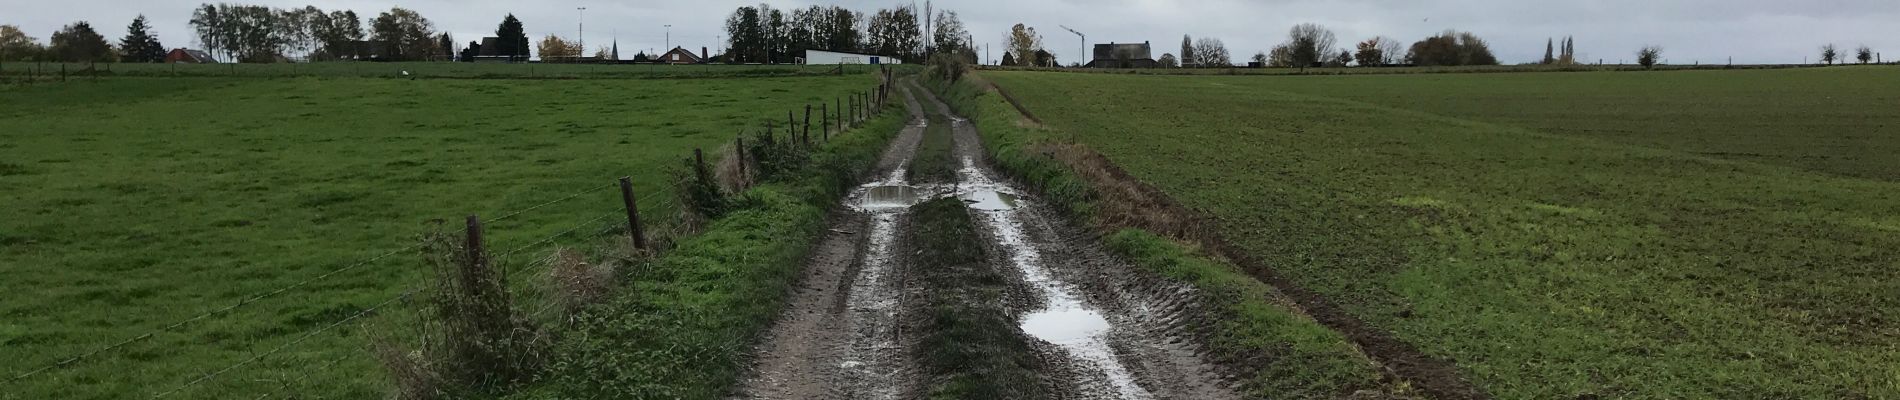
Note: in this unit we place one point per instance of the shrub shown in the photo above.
(1648, 56)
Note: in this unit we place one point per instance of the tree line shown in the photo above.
(763, 34)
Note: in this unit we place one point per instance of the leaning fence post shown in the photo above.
(791, 127)
(633, 213)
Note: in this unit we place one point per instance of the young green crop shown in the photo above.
(1466, 215)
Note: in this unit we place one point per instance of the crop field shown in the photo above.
(136, 203)
(1678, 234)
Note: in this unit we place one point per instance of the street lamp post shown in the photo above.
(669, 38)
(583, 30)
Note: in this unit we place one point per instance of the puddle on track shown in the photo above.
(888, 198)
(1065, 321)
(989, 200)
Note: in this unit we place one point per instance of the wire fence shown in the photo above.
(653, 200)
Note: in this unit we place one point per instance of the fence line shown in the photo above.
(555, 201)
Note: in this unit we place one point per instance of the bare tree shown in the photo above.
(1311, 44)
(1378, 51)
(1648, 56)
(1829, 54)
(1865, 54)
(1211, 52)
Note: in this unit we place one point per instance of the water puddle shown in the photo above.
(1065, 325)
(989, 200)
(888, 198)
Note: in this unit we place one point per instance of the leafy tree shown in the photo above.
(948, 34)
(1168, 61)
(555, 48)
(1829, 54)
(78, 42)
(1550, 52)
(1451, 48)
(1569, 55)
(1377, 51)
(404, 34)
(745, 36)
(1211, 52)
(446, 45)
(139, 45)
(473, 50)
(1187, 50)
(511, 39)
(1310, 44)
(1864, 54)
(1649, 56)
(243, 32)
(1261, 58)
(15, 45)
(895, 32)
(336, 35)
(1341, 60)
(1281, 57)
(1024, 42)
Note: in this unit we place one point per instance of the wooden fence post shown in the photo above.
(62, 72)
(807, 134)
(738, 144)
(791, 126)
(471, 272)
(840, 115)
(824, 121)
(633, 213)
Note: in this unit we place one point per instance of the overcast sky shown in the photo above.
(1709, 31)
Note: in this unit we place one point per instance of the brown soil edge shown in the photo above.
(1128, 202)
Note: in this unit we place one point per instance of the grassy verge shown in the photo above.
(682, 325)
(970, 347)
(1282, 353)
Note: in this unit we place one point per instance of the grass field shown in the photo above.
(79, 71)
(1692, 234)
(134, 203)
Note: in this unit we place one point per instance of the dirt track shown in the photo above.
(1103, 329)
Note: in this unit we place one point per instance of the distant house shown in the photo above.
(1045, 59)
(1125, 55)
(680, 55)
(189, 56)
(821, 57)
(491, 51)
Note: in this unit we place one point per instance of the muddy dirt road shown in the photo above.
(1102, 329)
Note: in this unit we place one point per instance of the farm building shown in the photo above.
(821, 57)
(1124, 55)
(189, 56)
(680, 55)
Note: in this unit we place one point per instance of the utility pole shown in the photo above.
(583, 29)
(669, 38)
(1080, 50)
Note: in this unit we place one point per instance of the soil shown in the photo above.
(1101, 328)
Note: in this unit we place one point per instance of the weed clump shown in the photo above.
(472, 339)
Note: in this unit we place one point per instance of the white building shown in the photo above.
(821, 57)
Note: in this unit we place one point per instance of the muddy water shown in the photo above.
(1065, 320)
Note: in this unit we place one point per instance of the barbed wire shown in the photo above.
(553, 202)
(300, 339)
